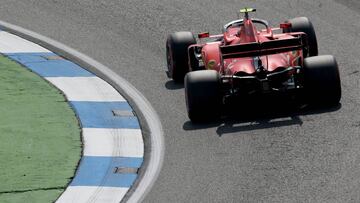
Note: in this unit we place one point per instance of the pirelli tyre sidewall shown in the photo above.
(177, 54)
(203, 95)
(322, 80)
(303, 24)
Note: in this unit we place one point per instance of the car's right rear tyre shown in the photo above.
(203, 95)
(322, 80)
(303, 24)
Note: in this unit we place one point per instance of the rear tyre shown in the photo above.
(303, 24)
(203, 95)
(322, 80)
(177, 54)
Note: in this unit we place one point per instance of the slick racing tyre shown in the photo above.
(177, 54)
(303, 24)
(322, 80)
(203, 95)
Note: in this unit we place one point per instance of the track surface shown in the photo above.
(309, 157)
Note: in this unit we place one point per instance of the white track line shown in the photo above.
(9, 40)
(92, 194)
(86, 89)
(113, 142)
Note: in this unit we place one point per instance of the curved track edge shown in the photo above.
(150, 122)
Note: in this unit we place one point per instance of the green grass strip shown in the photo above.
(40, 142)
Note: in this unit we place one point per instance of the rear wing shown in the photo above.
(263, 48)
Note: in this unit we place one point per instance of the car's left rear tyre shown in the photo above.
(203, 95)
(177, 54)
(322, 83)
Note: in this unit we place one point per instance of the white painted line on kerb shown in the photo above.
(113, 142)
(86, 89)
(9, 40)
(86, 194)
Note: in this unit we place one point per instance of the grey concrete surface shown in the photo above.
(312, 157)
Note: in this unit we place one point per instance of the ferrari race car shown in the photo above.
(251, 58)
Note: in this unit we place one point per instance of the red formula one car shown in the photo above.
(247, 61)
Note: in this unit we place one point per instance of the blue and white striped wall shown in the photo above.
(113, 143)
